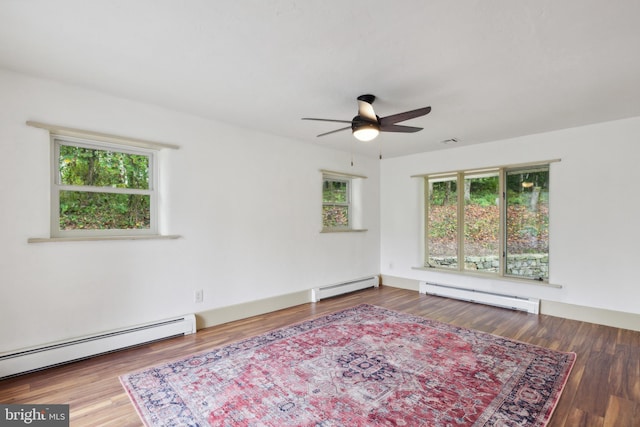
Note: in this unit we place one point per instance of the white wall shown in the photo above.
(594, 208)
(248, 206)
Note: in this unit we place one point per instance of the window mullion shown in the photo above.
(502, 232)
(55, 182)
(427, 225)
(460, 193)
(94, 189)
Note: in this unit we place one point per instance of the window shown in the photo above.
(342, 208)
(99, 189)
(336, 203)
(442, 222)
(493, 221)
(482, 221)
(527, 222)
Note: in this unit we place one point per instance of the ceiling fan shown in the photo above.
(367, 125)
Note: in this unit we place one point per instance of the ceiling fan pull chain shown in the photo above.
(352, 144)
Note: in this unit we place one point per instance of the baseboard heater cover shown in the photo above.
(33, 359)
(530, 305)
(342, 288)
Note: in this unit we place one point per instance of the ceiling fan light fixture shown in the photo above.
(366, 131)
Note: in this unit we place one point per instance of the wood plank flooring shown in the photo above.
(603, 390)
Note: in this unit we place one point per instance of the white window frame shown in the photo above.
(57, 186)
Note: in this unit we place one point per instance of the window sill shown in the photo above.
(346, 230)
(490, 276)
(101, 238)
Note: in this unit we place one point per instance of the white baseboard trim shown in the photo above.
(218, 316)
(400, 282)
(600, 316)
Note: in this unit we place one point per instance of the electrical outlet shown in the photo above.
(198, 295)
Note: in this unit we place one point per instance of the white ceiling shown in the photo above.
(490, 69)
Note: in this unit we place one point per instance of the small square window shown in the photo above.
(100, 189)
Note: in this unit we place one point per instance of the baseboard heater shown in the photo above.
(37, 358)
(530, 305)
(342, 288)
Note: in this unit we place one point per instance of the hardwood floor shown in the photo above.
(603, 390)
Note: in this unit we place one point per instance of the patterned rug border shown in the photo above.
(301, 327)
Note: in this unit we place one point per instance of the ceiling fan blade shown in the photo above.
(327, 120)
(400, 117)
(366, 110)
(399, 128)
(334, 131)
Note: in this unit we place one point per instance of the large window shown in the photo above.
(100, 189)
(492, 221)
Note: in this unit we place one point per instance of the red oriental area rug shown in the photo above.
(363, 366)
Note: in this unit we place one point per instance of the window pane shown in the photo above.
(104, 211)
(102, 168)
(442, 222)
(335, 216)
(481, 222)
(528, 223)
(335, 191)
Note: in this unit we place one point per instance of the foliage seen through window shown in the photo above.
(335, 203)
(103, 189)
(525, 228)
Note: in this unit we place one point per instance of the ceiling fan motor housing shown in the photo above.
(359, 122)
